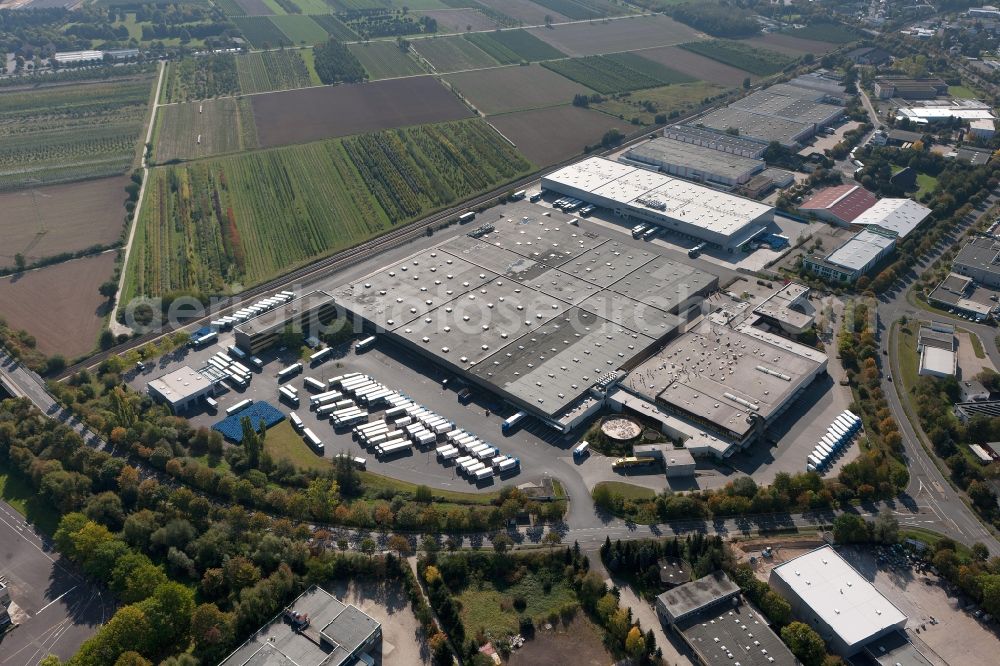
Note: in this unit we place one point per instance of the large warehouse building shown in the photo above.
(530, 307)
(732, 382)
(686, 160)
(789, 133)
(720, 141)
(691, 210)
(837, 601)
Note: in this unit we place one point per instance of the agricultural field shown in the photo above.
(252, 8)
(300, 29)
(792, 46)
(579, 10)
(310, 7)
(230, 7)
(298, 116)
(628, 34)
(529, 13)
(696, 65)
(64, 133)
(200, 78)
(452, 54)
(834, 33)
(261, 32)
(265, 71)
(617, 72)
(644, 105)
(460, 20)
(754, 60)
(47, 221)
(548, 136)
(59, 305)
(334, 27)
(193, 130)
(218, 226)
(383, 60)
(515, 88)
(513, 46)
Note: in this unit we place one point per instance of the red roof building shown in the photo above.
(840, 204)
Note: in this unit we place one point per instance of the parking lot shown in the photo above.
(55, 608)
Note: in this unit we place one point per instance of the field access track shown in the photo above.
(299, 116)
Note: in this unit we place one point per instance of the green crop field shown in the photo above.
(230, 7)
(650, 68)
(312, 6)
(384, 59)
(200, 78)
(64, 133)
(616, 73)
(300, 29)
(582, 9)
(453, 54)
(743, 56)
(221, 225)
(835, 33)
(260, 31)
(264, 71)
(334, 27)
(201, 129)
(510, 46)
(643, 106)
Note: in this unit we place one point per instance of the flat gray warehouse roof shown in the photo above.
(772, 103)
(721, 375)
(535, 308)
(661, 151)
(689, 598)
(738, 635)
(756, 126)
(721, 141)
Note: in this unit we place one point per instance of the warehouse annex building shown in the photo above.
(858, 256)
(709, 617)
(691, 210)
(838, 602)
(316, 629)
(307, 313)
(839, 204)
(181, 389)
(678, 158)
(731, 381)
(531, 308)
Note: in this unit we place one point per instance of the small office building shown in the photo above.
(181, 389)
(306, 314)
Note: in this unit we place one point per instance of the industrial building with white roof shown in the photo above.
(530, 307)
(837, 601)
(707, 138)
(897, 215)
(689, 209)
(789, 133)
(181, 388)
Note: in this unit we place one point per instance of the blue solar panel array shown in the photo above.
(232, 430)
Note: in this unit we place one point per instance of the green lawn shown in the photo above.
(492, 609)
(282, 442)
(628, 490)
(963, 92)
(931, 538)
(925, 183)
(22, 497)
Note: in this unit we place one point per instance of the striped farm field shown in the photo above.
(264, 71)
(453, 54)
(617, 72)
(261, 32)
(194, 130)
(300, 29)
(220, 225)
(511, 46)
(334, 27)
(384, 60)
